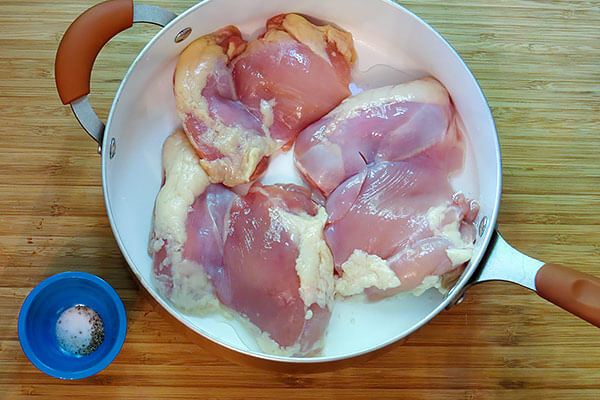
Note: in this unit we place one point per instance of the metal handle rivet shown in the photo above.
(113, 148)
(456, 302)
(183, 34)
(482, 226)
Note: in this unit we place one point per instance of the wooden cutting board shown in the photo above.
(538, 63)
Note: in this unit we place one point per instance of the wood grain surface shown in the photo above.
(538, 63)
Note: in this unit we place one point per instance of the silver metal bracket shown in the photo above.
(502, 262)
(152, 14)
(82, 108)
(88, 118)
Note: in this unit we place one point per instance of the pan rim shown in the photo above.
(447, 300)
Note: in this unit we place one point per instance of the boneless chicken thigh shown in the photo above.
(230, 140)
(390, 123)
(262, 256)
(188, 229)
(398, 226)
(239, 102)
(383, 160)
(279, 269)
(302, 70)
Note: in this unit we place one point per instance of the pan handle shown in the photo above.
(574, 291)
(82, 42)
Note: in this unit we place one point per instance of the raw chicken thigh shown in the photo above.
(262, 256)
(383, 159)
(398, 225)
(239, 102)
(297, 70)
(390, 123)
(230, 140)
(278, 270)
(188, 229)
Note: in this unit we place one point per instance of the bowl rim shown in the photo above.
(106, 360)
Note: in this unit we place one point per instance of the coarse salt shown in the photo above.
(80, 330)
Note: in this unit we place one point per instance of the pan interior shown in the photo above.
(143, 115)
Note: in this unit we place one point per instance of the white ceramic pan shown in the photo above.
(143, 115)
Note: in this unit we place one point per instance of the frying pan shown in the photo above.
(143, 114)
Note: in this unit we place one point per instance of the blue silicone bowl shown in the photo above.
(43, 306)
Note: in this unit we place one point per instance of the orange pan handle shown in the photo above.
(81, 44)
(574, 291)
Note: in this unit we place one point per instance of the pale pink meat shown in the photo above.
(390, 123)
(230, 140)
(205, 229)
(240, 102)
(253, 272)
(392, 198)
(211, 246)
(215, 49)
(383, 211)
(260, 280)
(223, 107)
(283, 67)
